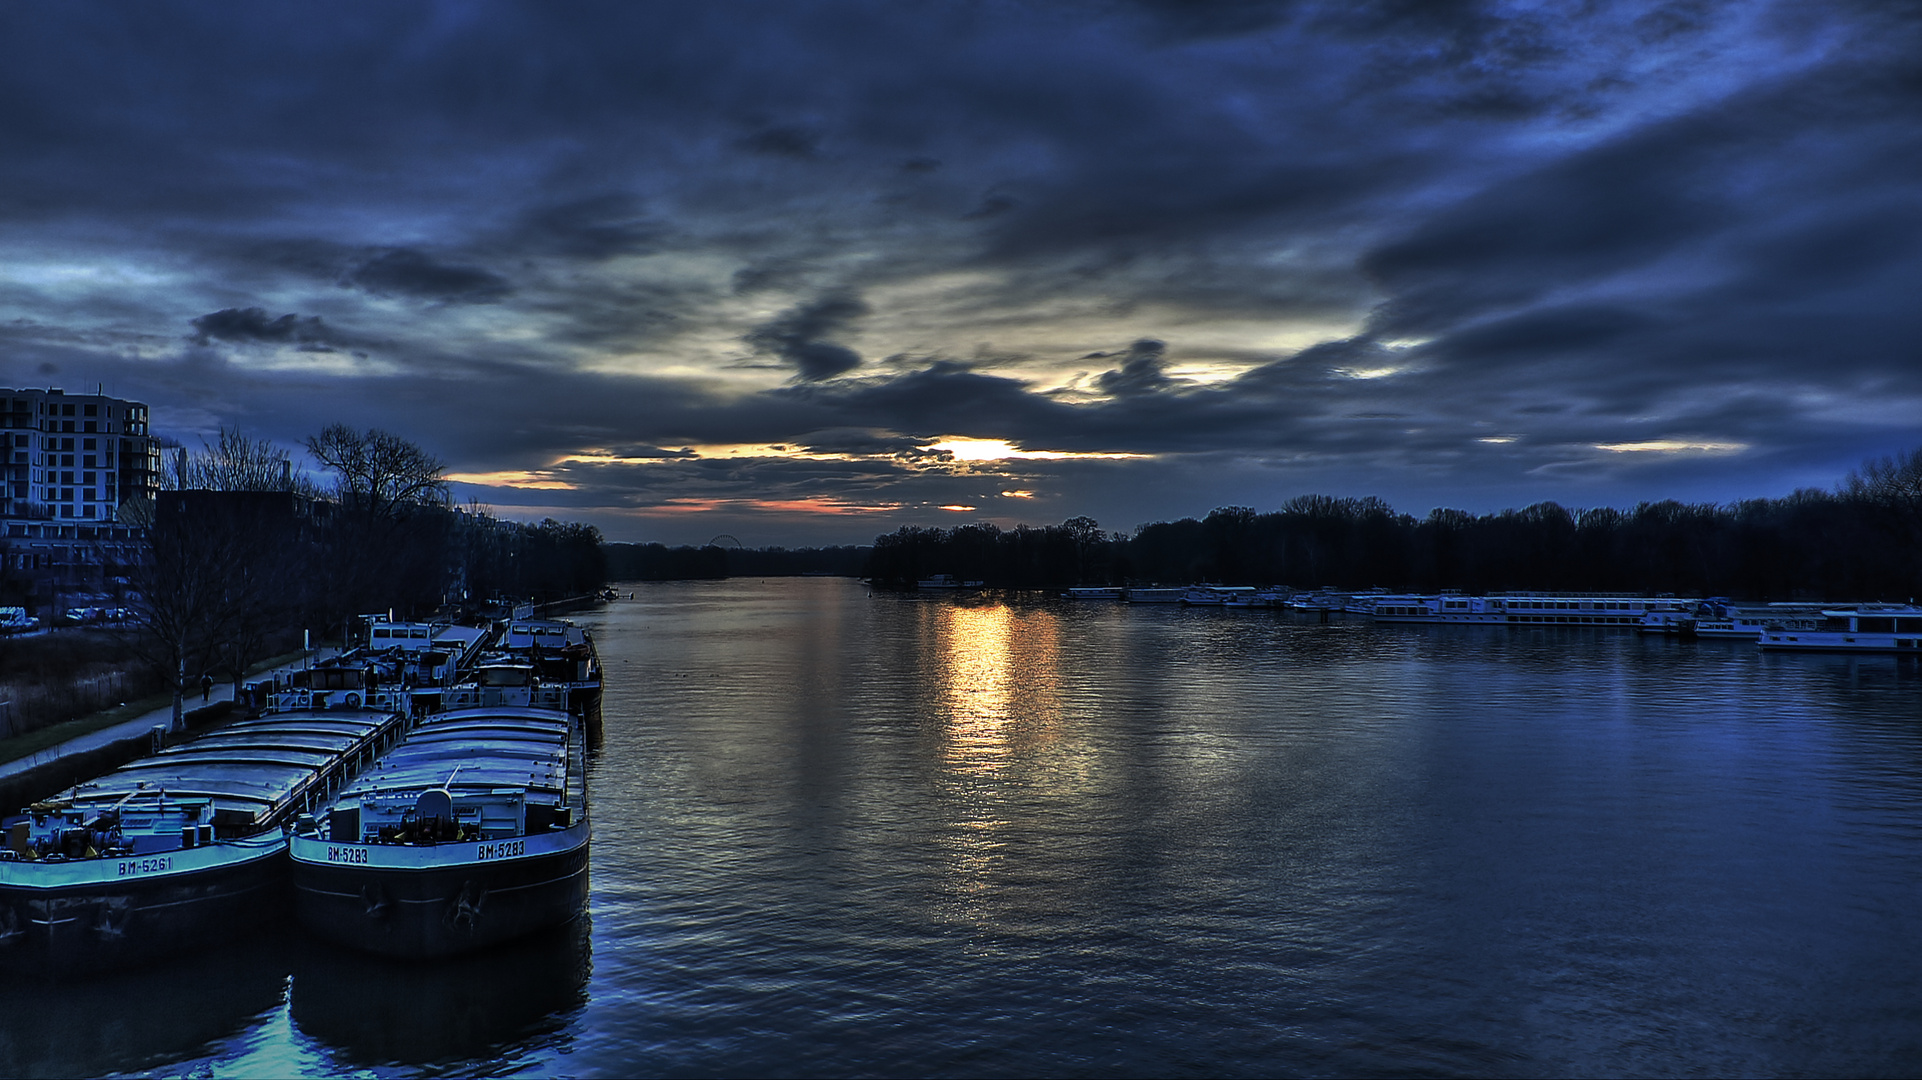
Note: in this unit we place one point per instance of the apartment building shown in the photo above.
(74, 458)
(78, 473)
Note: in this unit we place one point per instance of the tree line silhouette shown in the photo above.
(1861, 541)
(658, 562)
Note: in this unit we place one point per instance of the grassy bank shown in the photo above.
(34, 741)
(47, 680)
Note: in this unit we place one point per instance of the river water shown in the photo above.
(846, 834)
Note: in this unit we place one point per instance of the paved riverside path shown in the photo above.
(140, 725)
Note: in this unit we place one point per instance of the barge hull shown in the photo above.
(86, 928)
(441, 910)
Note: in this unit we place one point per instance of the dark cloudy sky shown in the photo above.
(802, 273)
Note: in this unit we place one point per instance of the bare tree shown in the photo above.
(235, 461)
(222, 572)
(1889, 491)
(187, 599)
(377, 472)
(388, 539)
(1892, 483)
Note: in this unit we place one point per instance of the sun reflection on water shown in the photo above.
(997, 674)
(976, 685)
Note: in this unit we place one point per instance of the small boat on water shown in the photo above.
(176, 850)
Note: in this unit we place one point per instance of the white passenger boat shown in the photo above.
(1751, 621)
(946, 583)
(1437, 608)
(1581, 609)
(1719, 618)
(1869, 628)
(1259, 598)
(1155, 594)
(472, 832)
(1218, 595)
(1529, 609)
(173, 851)
(1362, 603)
(1095, 592)
(1324, 600)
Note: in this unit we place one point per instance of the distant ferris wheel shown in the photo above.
(724, 541)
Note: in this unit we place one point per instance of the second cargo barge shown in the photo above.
(171, 851)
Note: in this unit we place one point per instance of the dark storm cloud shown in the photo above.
(799, 336)
(864, 442)
(254, 325)
(644, 451)
(946, 397)
(1139, 373)
(1214, 18)
(1615, 209)
(783, 142)
(592, 228)
(406, 272)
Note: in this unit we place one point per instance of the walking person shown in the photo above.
(206, 687)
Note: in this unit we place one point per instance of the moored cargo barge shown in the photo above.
(175, 850)
(472, 832)
(562, 655)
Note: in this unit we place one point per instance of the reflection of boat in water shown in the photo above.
(144, 1020)
(175, 850)
(373, 1010)
(473, 831)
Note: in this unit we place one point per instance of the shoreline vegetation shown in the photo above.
(1860, 541)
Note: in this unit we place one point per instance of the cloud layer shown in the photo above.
(683, 271)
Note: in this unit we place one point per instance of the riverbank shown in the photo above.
(40, 762)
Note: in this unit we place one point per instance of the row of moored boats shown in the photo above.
(423, 794)
(1893, 628)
